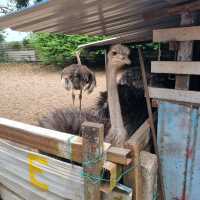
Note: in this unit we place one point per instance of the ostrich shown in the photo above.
(117, 127)
(78, 77)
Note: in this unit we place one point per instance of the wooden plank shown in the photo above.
(185, 52)
(93, 136)
(114, 171)
(119, 155)
(119, 193)
(175, 95)
(177, 34)
(173, 67)
(175, 10)
(149, 167)
(138, 142)
(53, 142)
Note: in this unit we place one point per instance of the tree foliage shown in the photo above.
(59, 49)
(24, 3)
(2, 36)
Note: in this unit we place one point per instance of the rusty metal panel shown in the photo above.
(179, 147)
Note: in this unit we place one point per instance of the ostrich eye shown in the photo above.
(114, 53)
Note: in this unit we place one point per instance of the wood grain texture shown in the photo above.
(172, 67)
(185, 52)
(93, 136)
(175, 95)
(119, 155)
(149, 167)
(177, 34)
(53, 142)
(138, 142)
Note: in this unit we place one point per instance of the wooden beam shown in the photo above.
(185, 52)
(119, 155)
(173, 67)
(187, 7)
(172, 11)
(177, 34)
(149, 166)
(138, 142)
(93, 136)
(175, 95)
(53, 142)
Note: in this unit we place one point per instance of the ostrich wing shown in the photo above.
(88, 78)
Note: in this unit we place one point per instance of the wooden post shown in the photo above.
(149, 167)
(93, 136)
(138, 142)
(185, 52)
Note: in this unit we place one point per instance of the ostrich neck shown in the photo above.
(113, 98)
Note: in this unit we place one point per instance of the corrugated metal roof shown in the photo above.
(93, 17)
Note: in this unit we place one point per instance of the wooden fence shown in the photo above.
(27, 174)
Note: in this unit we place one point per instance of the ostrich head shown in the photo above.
(118, 56)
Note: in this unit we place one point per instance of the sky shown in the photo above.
(13, 35)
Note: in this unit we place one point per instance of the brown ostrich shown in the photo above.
(108, 110)
(78, 77)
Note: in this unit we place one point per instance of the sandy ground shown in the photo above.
(28, 92)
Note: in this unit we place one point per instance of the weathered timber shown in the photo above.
(53, 142)
(114, 171)
(172, 67)
(175, 10)
(185, 52)
(152, 125)
(138, 142)
(175, 95)
(118, 194)
(93, 136)
(149, 166)
(177, 34)
(119, 155)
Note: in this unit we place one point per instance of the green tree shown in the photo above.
(24, 3)
(2, 36)
(59, 49)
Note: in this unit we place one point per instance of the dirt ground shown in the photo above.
(28, 92)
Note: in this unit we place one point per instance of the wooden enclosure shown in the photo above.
(178, 114)
(27, 174)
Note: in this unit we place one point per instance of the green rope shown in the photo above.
(95, 179)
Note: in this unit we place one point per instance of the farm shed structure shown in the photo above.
(134, 20)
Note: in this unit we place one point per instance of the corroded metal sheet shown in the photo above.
(178, 141)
